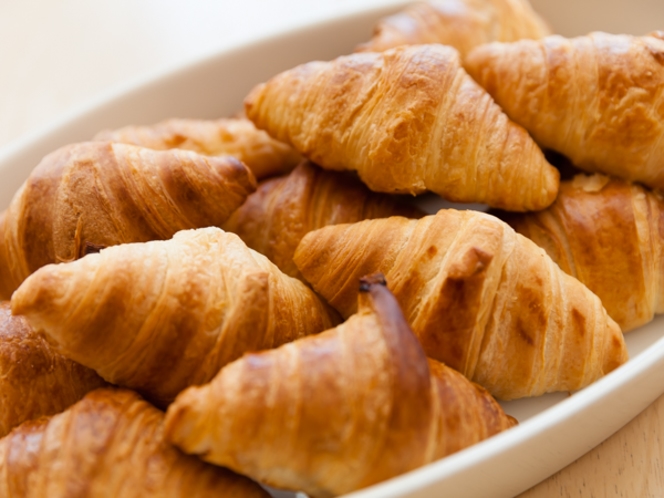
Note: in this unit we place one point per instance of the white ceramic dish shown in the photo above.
(554, 429)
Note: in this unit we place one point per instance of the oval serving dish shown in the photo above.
(554, 429)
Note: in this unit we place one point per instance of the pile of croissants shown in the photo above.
(172, 325)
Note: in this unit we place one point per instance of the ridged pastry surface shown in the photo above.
(598, 99)
(108, 445)
(609, 234)
(274, 219)
(462, 24)
(336, 412)
(35, 380)
(163, 315)
(408, 120)
(236, 137)
(480, 297)
(91, 195)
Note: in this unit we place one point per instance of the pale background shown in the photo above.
(57, 56)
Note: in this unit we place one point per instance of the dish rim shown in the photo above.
(451, 471)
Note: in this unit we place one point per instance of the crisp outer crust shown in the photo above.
(480, 297)
(34, 379)
(90, 195)
(462, 24)
(110, 444)
(407, 120)
(609, 234)
(274, 219)
(236, 137)
(163, 315)
(335, 412)
(598, 99)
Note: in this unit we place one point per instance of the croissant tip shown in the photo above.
(374, 279)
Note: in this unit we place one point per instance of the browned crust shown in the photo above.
(480, 298)
(108, 444)
(597, 99)
(236, 137)
(608, 235)
(462, 24)
(407, 120)
(274, 219)
(163, 315)
(99, 194)
(35, 380)
(336, 412)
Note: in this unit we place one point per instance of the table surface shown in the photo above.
(56, 56)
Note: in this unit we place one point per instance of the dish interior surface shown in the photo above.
(554, 429)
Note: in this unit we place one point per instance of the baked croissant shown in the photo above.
(407, 120)
(163, 315)
(274, 219)
(598, 99)
(110, 444)
(605, 232)
(481, 298)
(657, 34)
(336, 412)
(234, 137)
(463, 24)
(34, 379)
(86, 196)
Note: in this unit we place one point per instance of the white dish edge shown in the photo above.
(501, 466)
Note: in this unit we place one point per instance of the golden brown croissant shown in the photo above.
(407, 120)
(480, 297)
(274, 219)
(234, 137)
(110, 444)
(161, 316)
(34, 379)
(86, 196)
(338, 411)
(463, 24)
(607, 233)
(598, 99)
(657, 34)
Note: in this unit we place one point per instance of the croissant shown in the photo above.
(86, 196)
(110, 444)
(234, 137)
(597, 99)
(34, 379)
(657, 34)
(463, 24)
(407, 120)
(605, 232)
(329, 414)
(274, 219)
(160, 316)
(481, 298)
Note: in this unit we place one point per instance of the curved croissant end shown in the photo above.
(407, 120)
(91, 195)
(606, 233)
(481, 298)
(239, 138)
(597, 99)
(462, 24)
(35, 380)
(108, 444)
(274, 219)
(163, 315)
(335, 412)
